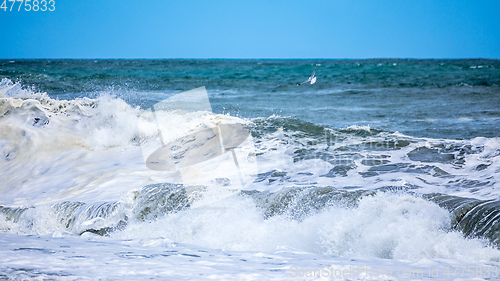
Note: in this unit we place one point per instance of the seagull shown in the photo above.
(311, 79)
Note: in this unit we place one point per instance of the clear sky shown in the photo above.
(253, 29)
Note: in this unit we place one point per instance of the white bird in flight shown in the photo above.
(311, 79)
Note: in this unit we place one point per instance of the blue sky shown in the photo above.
(254, 29)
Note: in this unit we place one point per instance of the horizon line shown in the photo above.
(367, 58)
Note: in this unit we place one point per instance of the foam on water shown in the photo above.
(83, 149)
(232, 240)
(366, 158)
(74, 258)
(390, 226)
(58, 149)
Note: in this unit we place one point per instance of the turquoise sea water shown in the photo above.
(432, 98)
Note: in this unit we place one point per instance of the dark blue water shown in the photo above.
(457, 99)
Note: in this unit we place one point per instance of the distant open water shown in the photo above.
(431, 98)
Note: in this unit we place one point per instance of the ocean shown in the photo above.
(185, 169)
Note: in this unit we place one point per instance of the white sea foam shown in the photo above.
(83, 149)
(387, 225)
(76, 258)
(232, 241)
